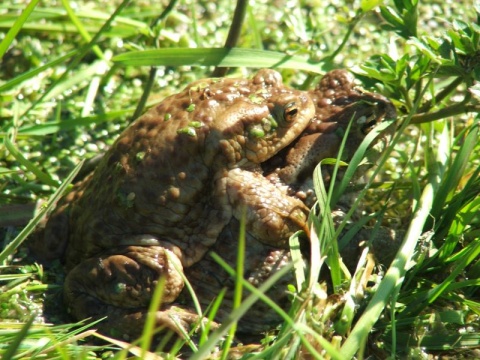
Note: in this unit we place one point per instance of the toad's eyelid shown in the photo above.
(290, 105)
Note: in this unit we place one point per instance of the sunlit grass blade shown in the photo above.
(212, 311)
(55, 19)
(150, 323)
(45, 178)
(222, 57)
(237, 293)
(299, 265)
(16, 27)
(135, 350)
(81, 29)
(52, 127)
(88, 73)
(30, 74)
(46, 341)
(14, 345)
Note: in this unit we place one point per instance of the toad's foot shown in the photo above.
(119, 284)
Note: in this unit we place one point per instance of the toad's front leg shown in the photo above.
(119, 284)
(270, 214)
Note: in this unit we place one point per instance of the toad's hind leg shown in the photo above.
(120, 284)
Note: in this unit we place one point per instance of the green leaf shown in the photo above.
(367, 5)
(475, 90)
(391, 16)
(425, 49)
(380, 67)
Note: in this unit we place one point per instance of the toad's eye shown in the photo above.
(369, 125)
(367, 122)
(290, 111)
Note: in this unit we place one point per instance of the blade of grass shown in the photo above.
(81, 30)
(58, 15)
(135, 350)
(299, 265)
(52, 127)
(324, 228)
(357, 159)
(67, 28)
(31, 73)
(17, 26)
(14, 345)
(214, 308)
(148, 329)
(43, 177)
(237, 292)
(234, 57)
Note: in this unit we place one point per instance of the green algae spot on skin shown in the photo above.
(269, 123)
(257, 100)
(190, 131)
(195, 124)
(119, 288)
(139, 156)
(191, 108)
(257, 131)
(126, 200)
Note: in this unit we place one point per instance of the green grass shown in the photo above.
(72, 76)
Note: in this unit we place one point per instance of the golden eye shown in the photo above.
(290, 111)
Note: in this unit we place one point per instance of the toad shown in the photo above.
(163, 193)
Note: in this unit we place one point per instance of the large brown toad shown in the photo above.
(338, 102)
(164, 192)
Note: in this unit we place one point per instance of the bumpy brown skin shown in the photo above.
(338, 101)
(166, 189)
